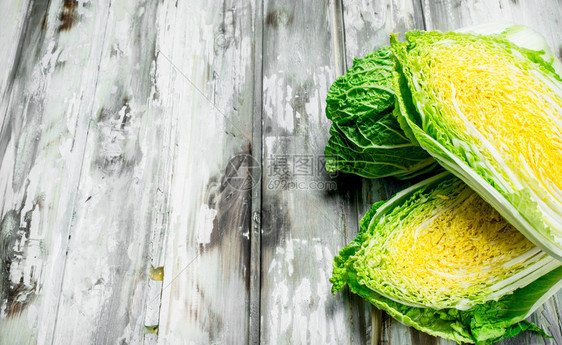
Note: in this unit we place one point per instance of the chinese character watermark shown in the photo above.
(281, 171)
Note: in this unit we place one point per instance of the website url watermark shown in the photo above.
(302, 185)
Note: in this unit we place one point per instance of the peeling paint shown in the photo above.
(205, 219)
(301, 311)
(20, 271)
(68, 16)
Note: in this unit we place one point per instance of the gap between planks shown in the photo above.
(256, 197)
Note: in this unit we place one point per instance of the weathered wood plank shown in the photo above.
(14, 15)
(103, 297)
(46, 102)
(206, 81)
(367, 28)
(118, 120)
(304, 220)
(255, 226)
(545, 18)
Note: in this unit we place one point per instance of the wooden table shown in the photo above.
(132, 136)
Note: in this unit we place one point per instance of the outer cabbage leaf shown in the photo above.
(484, 322)
(491, 113)
(366, 138)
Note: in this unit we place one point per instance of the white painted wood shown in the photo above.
(14, 15)
(103, 297)
(302, 225)
(255, 225)
(205, 80)
(41, 151)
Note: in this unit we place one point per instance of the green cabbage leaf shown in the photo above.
(366, 138)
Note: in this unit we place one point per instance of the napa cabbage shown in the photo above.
(489, 111)
(440, 256)
(440, 259)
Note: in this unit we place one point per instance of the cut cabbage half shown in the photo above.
(438, 251)
(490, 112)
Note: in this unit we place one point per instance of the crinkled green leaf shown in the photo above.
(366, 139)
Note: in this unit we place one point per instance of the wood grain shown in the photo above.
(303, 223)
(46, 106)
(205, 80)
(15, 15)
(255, 226)
(103, 295)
